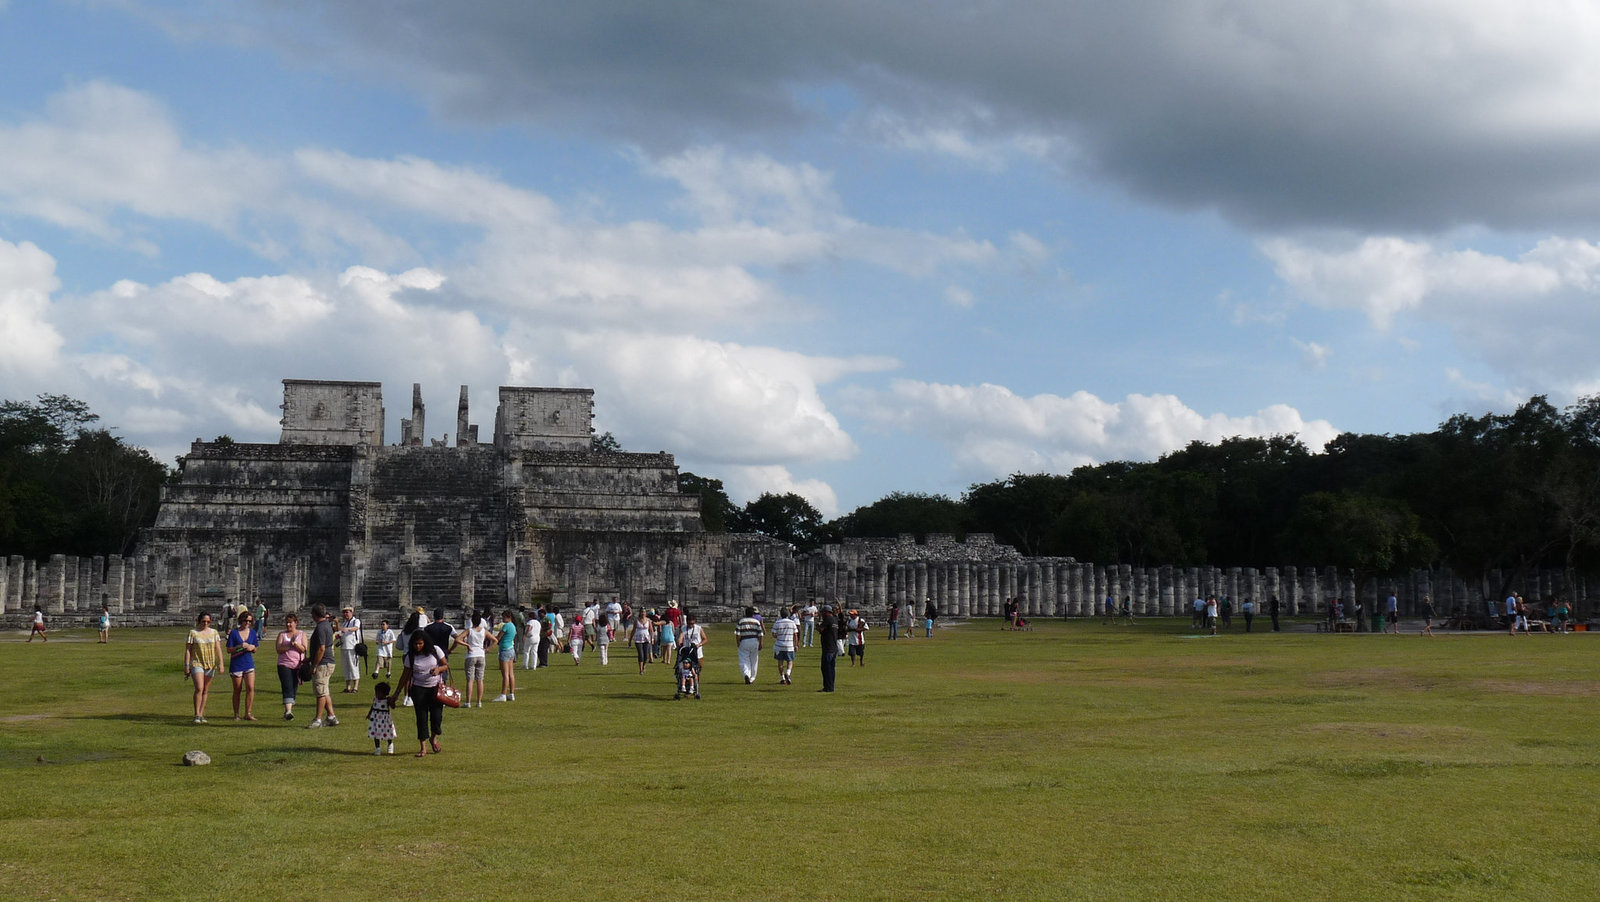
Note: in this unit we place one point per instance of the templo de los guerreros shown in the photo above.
(330, 513)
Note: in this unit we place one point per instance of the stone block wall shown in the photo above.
(331, 413)
(544, 419)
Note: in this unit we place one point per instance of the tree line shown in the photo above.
(68, 486)
(1499, 492)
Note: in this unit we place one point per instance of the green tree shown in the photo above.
(605, 441)
(66, 487)
(716, 509)
(788, 517)
(899, 513)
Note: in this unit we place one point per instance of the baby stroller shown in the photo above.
(688, 675)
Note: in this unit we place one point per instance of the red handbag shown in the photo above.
(449, 696)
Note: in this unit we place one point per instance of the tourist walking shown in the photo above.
(575, 641)
(1391, 609)
(1427, 616)
(530, 649)
(828, 635)
(1248, 609)
(321, 652)
(202, 658)
(386, 641)
(784, 632)
(421, 675)
(894, 621)
(37, 629)
(243, 640)
(929, 615)
(1211, 613)
(694, 643)
(643, 639)
(291, 651)
(858, 639)
(380, 720)
(747, 637)
(667, 633)
(1273, 605)
(105, 625)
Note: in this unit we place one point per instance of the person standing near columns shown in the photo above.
(829, 636)
(1273, 605)
(349, 638)
(808, 623)
(857, 627)
(747, 634)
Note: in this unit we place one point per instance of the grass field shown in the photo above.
(1078, 761)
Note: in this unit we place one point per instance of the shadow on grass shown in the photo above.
(174, 720)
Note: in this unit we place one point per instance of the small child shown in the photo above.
(688, 676)
(575, 639)
(380, 723)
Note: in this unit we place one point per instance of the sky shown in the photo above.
(840, 248)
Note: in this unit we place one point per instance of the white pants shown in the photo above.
(749, 658)
(605, 653)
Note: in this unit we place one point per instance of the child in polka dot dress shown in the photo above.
(380, 723)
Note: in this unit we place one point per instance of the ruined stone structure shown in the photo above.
(329, 513)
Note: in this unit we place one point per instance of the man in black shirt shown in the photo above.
(439, 632)
(830, 646)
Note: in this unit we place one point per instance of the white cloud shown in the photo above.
(993, 431)
(1313, 354)
(1529, 317)
(746, 484)
(716, 401)
(956, 296)
(28, 340)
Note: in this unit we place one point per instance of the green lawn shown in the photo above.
(1078, 761)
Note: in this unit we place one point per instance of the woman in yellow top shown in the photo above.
(202, 658)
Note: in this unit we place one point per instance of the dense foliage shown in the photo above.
(1502, 492)
(67, 487)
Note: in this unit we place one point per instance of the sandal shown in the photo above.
(420, 755)
(435, 744)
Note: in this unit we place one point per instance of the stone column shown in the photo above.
(53, 588)
(5, 589)
(69, 584)
(113, 583)
(15, 584)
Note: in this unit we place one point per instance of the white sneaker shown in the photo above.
(315, 724)
(512, 697)
(391, 748)
(376, 750)
(498, 698)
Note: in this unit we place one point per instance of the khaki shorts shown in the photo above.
(319, 680)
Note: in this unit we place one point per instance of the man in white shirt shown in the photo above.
(591, 617)
(386, 639)
(785, 630)
(808, 622)
(349, 635)
(613, 618)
